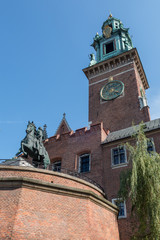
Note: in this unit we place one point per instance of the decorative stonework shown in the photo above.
(115, 39)
(120, 60)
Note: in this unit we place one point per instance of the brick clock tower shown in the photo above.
(117, 81)
(89, 160)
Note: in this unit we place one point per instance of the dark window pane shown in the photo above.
(150, 149)
(120, 205)
(57, 166)
(122, 158)
(150, 145)
(119, 155)
(109, 47)
(116, 160)
(84, 164)
(121, 150)
(115, 151)
(121, 209)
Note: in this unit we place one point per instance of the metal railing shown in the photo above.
(51, 167)
(79, 175)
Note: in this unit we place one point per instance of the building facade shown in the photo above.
(117, 100)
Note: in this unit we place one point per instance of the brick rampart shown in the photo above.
(48, 176)
(32, 207)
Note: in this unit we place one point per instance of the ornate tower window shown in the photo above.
(108, 47)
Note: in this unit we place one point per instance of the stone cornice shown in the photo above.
(117, 61)
(23, 182)
(48, 172)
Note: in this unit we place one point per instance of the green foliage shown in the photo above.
(142, 185)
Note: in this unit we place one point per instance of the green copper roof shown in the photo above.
(114, 40)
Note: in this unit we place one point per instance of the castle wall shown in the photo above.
(9, 204)
(101, 167)
(48, 176)
(37, 209)
(68, 147)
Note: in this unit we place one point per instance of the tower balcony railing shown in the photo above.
(51, 167)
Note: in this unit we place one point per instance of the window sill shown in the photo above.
(119, 165)
(84, 172)
(109, 53)
(121, 217)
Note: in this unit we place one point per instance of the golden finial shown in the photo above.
(110, 79)
(110, 15)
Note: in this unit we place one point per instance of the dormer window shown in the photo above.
(108, 47)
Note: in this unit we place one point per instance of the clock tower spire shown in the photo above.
(117, 81)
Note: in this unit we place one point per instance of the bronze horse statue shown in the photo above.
(32, 145)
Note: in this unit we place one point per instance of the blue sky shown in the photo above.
(44, 45)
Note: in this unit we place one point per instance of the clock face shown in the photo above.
(111, 90)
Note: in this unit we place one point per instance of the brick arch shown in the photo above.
(84, 151)
(56, 159)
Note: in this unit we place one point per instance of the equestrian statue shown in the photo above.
(32, 145)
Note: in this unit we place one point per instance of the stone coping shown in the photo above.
(17, 182)
(58, 174)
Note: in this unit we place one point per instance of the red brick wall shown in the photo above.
(61, 217)
(9, 203)
(121, 112)
(103, 219)
(70, 146)
(111, 179)
(111, 188)
(31, 212)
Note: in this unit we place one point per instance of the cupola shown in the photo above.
(114, 40)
